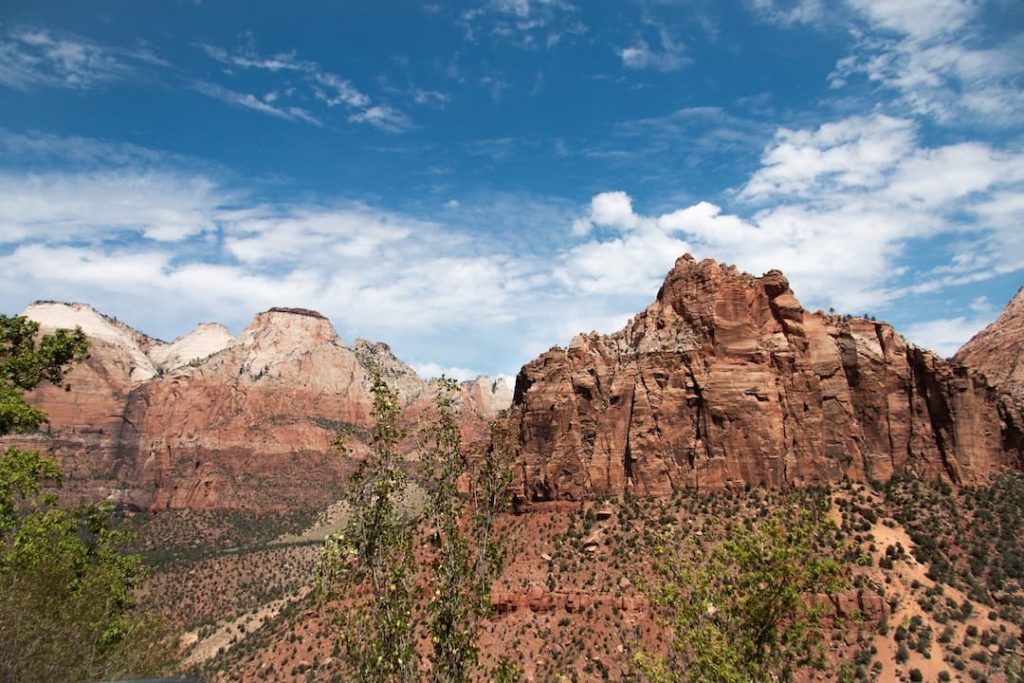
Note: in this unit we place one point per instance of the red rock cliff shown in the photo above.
(998, 350)
(211, 422)
(725, 380)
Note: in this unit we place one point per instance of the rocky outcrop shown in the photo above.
(726, 381)
(202, 342)
(251, 426)
(122, 347)
(486, 396)
(998, 350)
(213, 422)
(401, 378)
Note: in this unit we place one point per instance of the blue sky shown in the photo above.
(475, 182)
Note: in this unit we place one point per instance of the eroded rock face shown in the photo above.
(725, 381)
(250, 427)
(213, 422)
(202, 342)
(998, 350)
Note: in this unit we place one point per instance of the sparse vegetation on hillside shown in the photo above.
(567, 603)
(972, 541)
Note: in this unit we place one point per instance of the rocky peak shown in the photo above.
(399, 376)
(202, 342)
(726, 381)
(289, 345)
(487, 396)
(297, 311)
(998, 350)
(288, 329)
(128, 346)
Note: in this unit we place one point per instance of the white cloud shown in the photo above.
(856, 152)
(946, 335)
(320, 86)
(624, 265)
(671, 56)
(931, 54)
(835, 207)
(304, 234)
(77, 151)
(336, 90)
(434, 98)
(249, 101)
(383, 117)
(87, 207)
(613, 209)
(156, 240)
(920, 19)
(32, 56)
(247, 58)
(431, 370)
(789, 12)
(981, 304)
(529, 24)
(154, 246)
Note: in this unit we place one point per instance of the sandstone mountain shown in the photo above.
(726, 381)
(998, 350)
(214, 422)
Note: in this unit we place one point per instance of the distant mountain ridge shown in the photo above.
(211, 421)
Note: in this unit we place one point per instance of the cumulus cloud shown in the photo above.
(839, 207)
(853, 153)
(431, 370)
(836, 207)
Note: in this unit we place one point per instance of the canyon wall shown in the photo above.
(998, 350)
(726, 381)
(214, 422)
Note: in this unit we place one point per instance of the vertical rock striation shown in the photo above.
(726, 381)
(213, 422)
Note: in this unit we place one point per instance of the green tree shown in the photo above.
(25, 362)
(740, 610)
(466, 561)
(373, 554)
(66, 604)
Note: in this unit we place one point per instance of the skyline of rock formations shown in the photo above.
(724, 381)
(249, 425)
